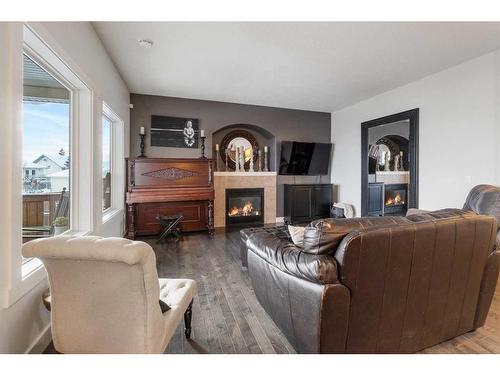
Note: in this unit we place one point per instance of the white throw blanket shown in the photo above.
(348, 209)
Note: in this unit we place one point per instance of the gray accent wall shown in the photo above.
(284, 124)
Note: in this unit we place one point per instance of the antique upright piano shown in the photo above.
(167, 187)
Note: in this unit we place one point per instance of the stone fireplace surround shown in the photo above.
(241, 180)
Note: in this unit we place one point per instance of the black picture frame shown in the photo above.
(167, 131)
(412, 116)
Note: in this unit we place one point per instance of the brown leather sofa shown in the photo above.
(381, 285)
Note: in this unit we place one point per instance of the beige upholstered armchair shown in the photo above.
(105, 295)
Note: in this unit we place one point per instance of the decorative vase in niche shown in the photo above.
(236, 159)
(242, 159)
(396, 163)
(250, 169)
(387, 157)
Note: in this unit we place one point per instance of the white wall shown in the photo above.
(459, 133)
(24, 323)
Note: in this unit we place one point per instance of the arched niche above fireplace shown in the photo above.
(256, 135)
(234, 140)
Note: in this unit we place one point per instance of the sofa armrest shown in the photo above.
(487, 289)
(284, 255)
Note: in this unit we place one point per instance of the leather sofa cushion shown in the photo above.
(280, 231)
(445, 213)
(284, 255)
(323, 236)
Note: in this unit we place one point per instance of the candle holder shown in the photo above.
(202, 148)
(142, 155)
(242, 159)
(250, 169)
(237, 159)
(266, 169)
(216, 159)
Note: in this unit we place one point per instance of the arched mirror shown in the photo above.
(238, 138)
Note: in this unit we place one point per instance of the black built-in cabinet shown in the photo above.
(307, 202)
(376, 199)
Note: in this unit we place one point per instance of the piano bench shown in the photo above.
(170, 225)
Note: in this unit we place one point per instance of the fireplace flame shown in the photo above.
(246, 210)
(394, 201)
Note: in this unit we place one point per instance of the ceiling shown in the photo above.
(321, 66)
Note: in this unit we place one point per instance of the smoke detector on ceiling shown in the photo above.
(146, 43)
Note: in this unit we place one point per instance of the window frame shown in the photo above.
(111, 151)
(21, 277)
(117, 149)
(30, 265)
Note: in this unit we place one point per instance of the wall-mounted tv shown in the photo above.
(304, 159)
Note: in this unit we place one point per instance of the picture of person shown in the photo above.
(189, 134)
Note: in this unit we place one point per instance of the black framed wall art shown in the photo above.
(169, 131)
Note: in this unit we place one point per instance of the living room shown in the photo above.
(322, 187)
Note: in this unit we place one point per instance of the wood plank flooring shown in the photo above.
(227, 317)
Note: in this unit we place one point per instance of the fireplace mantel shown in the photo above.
(243, 174)
(392, 177)
(237, 180)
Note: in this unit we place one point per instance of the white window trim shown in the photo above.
(29, 267)
(23, 278)
(117, 164)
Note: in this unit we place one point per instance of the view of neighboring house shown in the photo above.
(54, 162)
(32, 170)
(47, 173)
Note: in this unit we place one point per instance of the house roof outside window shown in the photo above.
(60, 160)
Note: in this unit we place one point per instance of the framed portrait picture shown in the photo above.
(174, 132)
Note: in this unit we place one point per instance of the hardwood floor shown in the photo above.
(227, 317)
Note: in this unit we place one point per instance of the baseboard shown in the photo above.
(280, 219)
(41, 342)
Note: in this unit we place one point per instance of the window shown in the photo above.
(107, 176)
(55, 92)
(46, 144)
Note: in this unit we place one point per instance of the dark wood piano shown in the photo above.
(167, 187)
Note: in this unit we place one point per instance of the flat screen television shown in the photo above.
(304, 159)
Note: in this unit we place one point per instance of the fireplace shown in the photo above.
(244, 206)
(395, 199)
